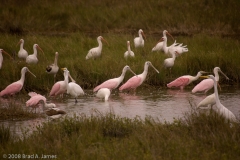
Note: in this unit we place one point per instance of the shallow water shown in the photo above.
(162, 105)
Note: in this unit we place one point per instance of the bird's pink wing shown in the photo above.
(55, 88)
(11, 89)
(35, 100)
(179, 82)
(31, 94)
(132, 83)
(110, 84)
(204, 85)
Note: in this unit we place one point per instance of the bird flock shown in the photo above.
(104, 89)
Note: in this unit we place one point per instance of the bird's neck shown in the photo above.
(35, 51)
(216, 94)
(55, 60)
(216, 75)
(165, 48)
(22, 79)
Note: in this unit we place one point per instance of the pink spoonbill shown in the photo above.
(22, 53)
(16, 87)
(206, 84)
(96, 52)
(136, 81)
(1, 57)
(60, 87)
(139, 41)
(128, 53)
(184, 80)
(114, 82)
(32, 59)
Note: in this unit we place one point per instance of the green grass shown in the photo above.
(196, 136)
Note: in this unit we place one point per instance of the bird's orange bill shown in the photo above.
(7, 54)
(154, 68)
(105, 40)
(18, 43)
(40, 49)
(143, 35)
(170, 35)
(31, 73)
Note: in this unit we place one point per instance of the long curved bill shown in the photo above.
(143, 35)
(31, 73)
(154, 68)
(40, 49)
(18, 43)
(170, 35)
(105, 40)
(7, 54)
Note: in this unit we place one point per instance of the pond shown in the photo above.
(160, 104)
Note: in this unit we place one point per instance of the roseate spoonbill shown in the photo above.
(114, 82)
(96, 52)
(22, 53)
(139, 41)
(184, 80)
(206, 84)
(103, 93)
(35, 100)
(209, 101)
(73, 88)
(169, 62)
(15, 87)
(159, 45)
(128, 53)
(53, 68)
(60, 87)
(1, 57)
(221, 109)
(136, 81)
(32, 59)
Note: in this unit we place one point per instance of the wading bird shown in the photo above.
(32, 59)
(128, 53)
(53, 68)
(169, 62)
(139, 41)
(54, 112)
(22, 53)
(136, 81)
(209, 101)
(221, 109)
(103, 93)
(96, 52)
(60, 87)
(73, 88)
(114, 82)
(207, 84)
(15, 87)
(159, 45)
(184, 80)
(35, 100)
(1, 57)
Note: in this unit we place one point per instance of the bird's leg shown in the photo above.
(76, 100)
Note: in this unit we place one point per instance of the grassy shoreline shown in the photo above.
(197, 136)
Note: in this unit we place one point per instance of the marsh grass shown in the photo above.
(196, 136)
(14, 110)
